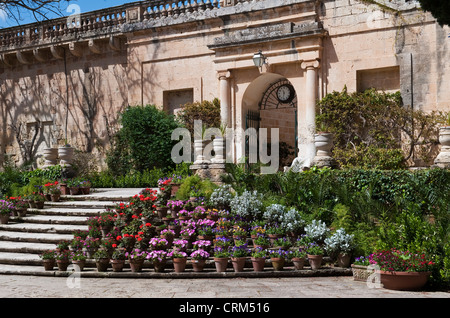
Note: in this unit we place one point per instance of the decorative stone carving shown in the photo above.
(443, 159)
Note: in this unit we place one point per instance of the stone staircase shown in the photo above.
(23, 239)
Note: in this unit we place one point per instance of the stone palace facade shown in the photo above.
(68, 79)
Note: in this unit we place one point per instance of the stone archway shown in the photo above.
(260, 98)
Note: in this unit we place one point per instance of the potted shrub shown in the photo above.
(247, 206)
(179, 259)
(340, 245)
(48, 259)
(315, 255)
(117, 260)
(221, 197)
(402, 270)
(6, 210)
(74, 186)
(258, 258)
(317, 231)
(198, 259)
(101, 260)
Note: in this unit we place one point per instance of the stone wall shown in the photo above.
(74, 79)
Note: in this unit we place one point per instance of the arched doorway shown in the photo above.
(270, 101)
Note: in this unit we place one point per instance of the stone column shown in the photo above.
(307, 115)
(225, 97)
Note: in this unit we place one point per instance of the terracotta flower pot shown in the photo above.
(136, 265)
(49, 264)
(299, 263)
(258, 263)
(198, 265)
(344, 260)
(81, 264)
(278, 263)
(4, 219)
(403, 280)
(55, 197)
(62, 265)
(102, 264)
(238, 264)
(315, 261)
(179, 264)
(159, 267)
(117, 265)
(221, 264)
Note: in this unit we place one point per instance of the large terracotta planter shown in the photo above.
(403, 280)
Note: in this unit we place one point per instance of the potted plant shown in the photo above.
(282, 243)
(198, 259)
(402, 270)
(221, 258)
(317, 231)
(158, 259)
(274, 233)
(62, 260)
(221, 197)
(239, 254)
(20, 206)
(85, 186)
(248, 206)
(48, 259)
(239, 233)
(6, 210)
(74, 186)
(298, 258)
(315, 255)
(79, 259)
(202, 245)
(261, 241)
(136, 258)
(117, 260)
(258, 258)
(90, 246)
(340, 245)
(175, 206)
(179, 259)
(278, 259)
(169, 235)
(180, 245)
(101, 260)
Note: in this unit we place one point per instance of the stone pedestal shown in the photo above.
(209, 171)
(443, 159)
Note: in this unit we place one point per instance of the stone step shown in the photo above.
(25, 247)
(81, 204)
(42, 228)
(67, 211)
(54, 219)
(48, 238)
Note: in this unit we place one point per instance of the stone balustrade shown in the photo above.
(106, 20)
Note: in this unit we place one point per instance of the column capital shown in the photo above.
(310, 64)
(221, 75)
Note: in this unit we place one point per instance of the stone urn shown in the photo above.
(219, 150)
(199, 148)
(66, 156)
(443, 159)
(324, 144)
(51, 157)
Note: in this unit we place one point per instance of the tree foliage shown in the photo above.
(144, 142)
(39, 9)
(206, 111)
(440, 9)
(375, 130)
